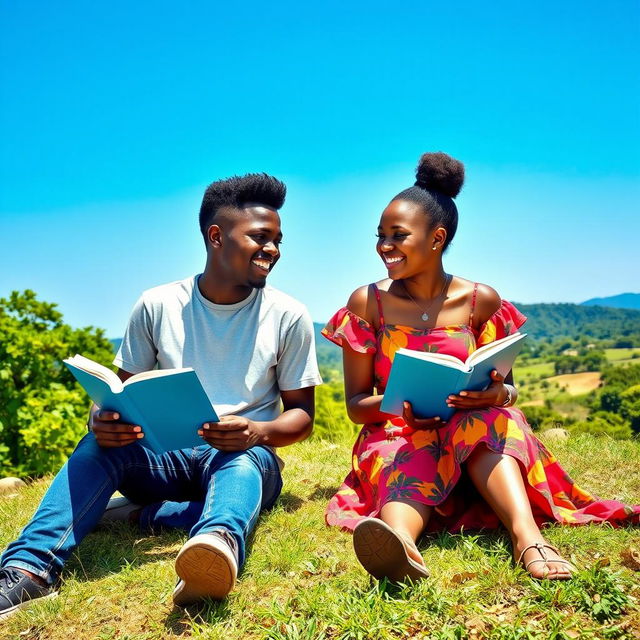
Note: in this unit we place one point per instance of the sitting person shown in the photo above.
(415, 474)
(252, 347)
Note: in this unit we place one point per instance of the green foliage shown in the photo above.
(604, 423)
(50, 422)
(621, 377)
(620, 394)
(602, 595)
(541, 418)
(582, 323)
(592, 360)
(331, 421)
(329, 354)
(630, 406)
(42, 410)
(597, 592)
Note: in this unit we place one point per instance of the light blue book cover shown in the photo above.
(169, 405)
(426, 379)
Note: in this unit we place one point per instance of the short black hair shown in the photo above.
(237, 191)
(439, 178)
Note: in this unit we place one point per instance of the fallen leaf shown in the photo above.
(631, 558)
(463, 576)
(603, 562)
(475, 626)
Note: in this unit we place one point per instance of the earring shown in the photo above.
(434, 247)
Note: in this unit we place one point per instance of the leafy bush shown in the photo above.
(540, 418)
(51, 421)
(630, 406)
(42, 409)
(604, 423)
(621, 377)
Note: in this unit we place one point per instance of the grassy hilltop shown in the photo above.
(580, 370)
(303, 582)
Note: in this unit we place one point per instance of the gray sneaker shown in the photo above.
(207, 566)
(17, 589)
(119, 510)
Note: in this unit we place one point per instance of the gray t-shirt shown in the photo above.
(243, 353)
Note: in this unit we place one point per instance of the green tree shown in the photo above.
(42, 410)
(630, 406)
(610, 400)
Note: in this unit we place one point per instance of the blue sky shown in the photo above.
(114, 118)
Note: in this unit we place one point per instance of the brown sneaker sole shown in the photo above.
(382, 552)
(207, 569)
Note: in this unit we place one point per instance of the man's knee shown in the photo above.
(89, 453)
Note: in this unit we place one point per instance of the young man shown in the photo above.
(252, 347)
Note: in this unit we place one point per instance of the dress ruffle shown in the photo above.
(505, 321)
(348, 328)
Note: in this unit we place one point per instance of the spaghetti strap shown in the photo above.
(473, 303)
(376, 291)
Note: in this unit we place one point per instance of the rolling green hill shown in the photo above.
(575, 321)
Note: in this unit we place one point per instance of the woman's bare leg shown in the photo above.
(498, 479)
(409, 519)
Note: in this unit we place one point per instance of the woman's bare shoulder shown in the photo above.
(363, 303)
(358, 302)
(488, 301)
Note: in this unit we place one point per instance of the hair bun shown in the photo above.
(440, 172)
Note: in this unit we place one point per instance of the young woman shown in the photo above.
(416, 474)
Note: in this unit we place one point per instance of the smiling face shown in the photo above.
(405, 241)
(244, 244)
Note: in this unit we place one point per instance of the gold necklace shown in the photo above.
(425, 316)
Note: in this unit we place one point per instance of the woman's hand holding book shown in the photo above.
(495, 395)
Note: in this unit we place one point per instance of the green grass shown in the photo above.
(303, 582)
(615, 355)
(534, 371)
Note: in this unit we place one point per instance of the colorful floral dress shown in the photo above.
(392, 461)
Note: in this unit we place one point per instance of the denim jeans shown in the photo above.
(200, 489)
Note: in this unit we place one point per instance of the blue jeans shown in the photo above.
(200, 489)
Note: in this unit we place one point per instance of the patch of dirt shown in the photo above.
(577, 383)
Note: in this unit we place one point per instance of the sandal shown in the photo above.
(383, 552)
(540, 548)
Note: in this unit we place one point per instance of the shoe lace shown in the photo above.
(9, 578)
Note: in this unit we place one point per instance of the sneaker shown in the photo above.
(119, 510)
(18, 589)
(207, 566)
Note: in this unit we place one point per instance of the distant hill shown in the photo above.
(621, 301)
(576, 320)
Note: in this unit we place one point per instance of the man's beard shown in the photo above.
(258, 284)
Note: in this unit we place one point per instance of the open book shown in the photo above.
(169, 404)
(425, 379)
